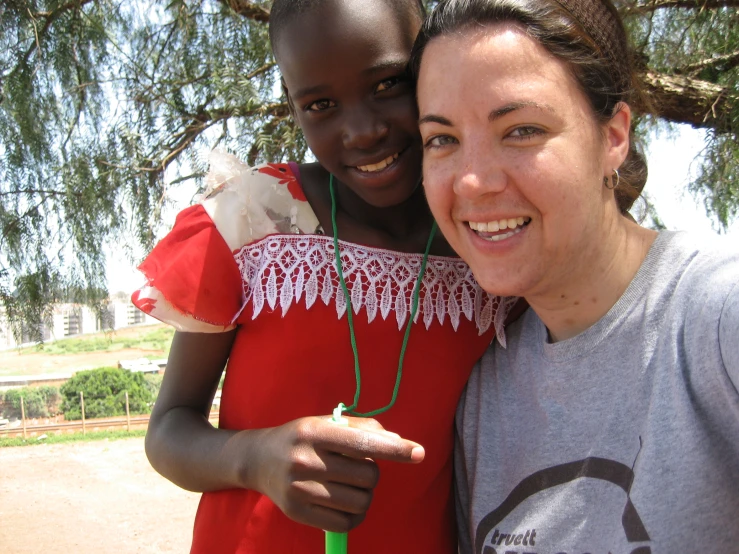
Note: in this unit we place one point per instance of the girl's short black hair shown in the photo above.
(284, 11)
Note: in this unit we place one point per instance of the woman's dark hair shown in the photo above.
(587, 35)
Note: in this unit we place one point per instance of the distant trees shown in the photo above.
(107, 106)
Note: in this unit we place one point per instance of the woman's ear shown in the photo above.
(617, 133)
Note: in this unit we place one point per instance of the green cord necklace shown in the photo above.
(414, 308)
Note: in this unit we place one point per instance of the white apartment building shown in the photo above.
(70, 320)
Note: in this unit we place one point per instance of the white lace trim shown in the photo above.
(283, 269)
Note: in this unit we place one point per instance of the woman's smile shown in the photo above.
(499, 229)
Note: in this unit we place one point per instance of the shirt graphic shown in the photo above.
(592, 489)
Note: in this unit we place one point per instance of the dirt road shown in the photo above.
(99, 497)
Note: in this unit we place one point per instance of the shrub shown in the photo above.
(37, 402)
(153, 382)
(104, 392)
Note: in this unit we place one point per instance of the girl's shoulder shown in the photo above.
(248, 204)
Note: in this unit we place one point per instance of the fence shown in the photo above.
(26, 429)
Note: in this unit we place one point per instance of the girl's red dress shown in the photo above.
(251, 256)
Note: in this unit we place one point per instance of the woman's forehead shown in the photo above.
(481, 71)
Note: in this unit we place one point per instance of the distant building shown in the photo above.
(69, 320)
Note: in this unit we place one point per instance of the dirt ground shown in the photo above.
(25, 363)
(99, 497)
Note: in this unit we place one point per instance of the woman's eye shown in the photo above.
(320, 105)
(439, 141)
(387, 84)
(525, 132)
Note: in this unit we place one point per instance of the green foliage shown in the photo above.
(691, 55)
(718, 178)
(37, 402)
(106, 107)
(98, 99)
(153, 382)
(104, 393)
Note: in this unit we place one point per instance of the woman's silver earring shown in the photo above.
(613, 182)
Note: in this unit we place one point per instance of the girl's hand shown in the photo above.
(322, 474)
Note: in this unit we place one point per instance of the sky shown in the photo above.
(671, 159)
(671, 162)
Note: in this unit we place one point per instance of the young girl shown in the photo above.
(252, 276)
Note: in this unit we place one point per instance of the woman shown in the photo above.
(610, 423)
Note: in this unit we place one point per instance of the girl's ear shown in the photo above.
(287, 95)
(617, 132)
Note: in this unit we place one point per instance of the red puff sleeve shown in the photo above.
(192, 277)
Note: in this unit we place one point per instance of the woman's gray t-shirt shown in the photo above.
(623, 439)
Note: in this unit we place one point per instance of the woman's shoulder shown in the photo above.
(701, 261)
(247, 203)
(706, 298)
(699, 278)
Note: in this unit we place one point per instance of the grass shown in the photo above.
(65, 356)
(157, 340)
(73, 437)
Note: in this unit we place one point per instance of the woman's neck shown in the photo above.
(583, 296)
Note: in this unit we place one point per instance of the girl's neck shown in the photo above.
(584, 295)
(404, 227)
(398, 222)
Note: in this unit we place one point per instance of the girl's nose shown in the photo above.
(363, 129)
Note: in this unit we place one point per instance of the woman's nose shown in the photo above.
(479, 174)
(363, 129)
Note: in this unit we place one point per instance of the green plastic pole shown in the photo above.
(336, 543)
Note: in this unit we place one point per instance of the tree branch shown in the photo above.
(266, 67)
(640, 8)
(63, 8)
(682, 99)
(38, 191)
(249, 10)
(6, 230)
(206, 119)
(723, 63)
(50, 18)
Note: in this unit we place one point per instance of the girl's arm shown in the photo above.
(316, 472)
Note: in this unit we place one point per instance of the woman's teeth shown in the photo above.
(514, 225)
(378, 166)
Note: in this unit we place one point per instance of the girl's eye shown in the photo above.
(320, 105)
(525, 132)
(387, 84)
(439, 141)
